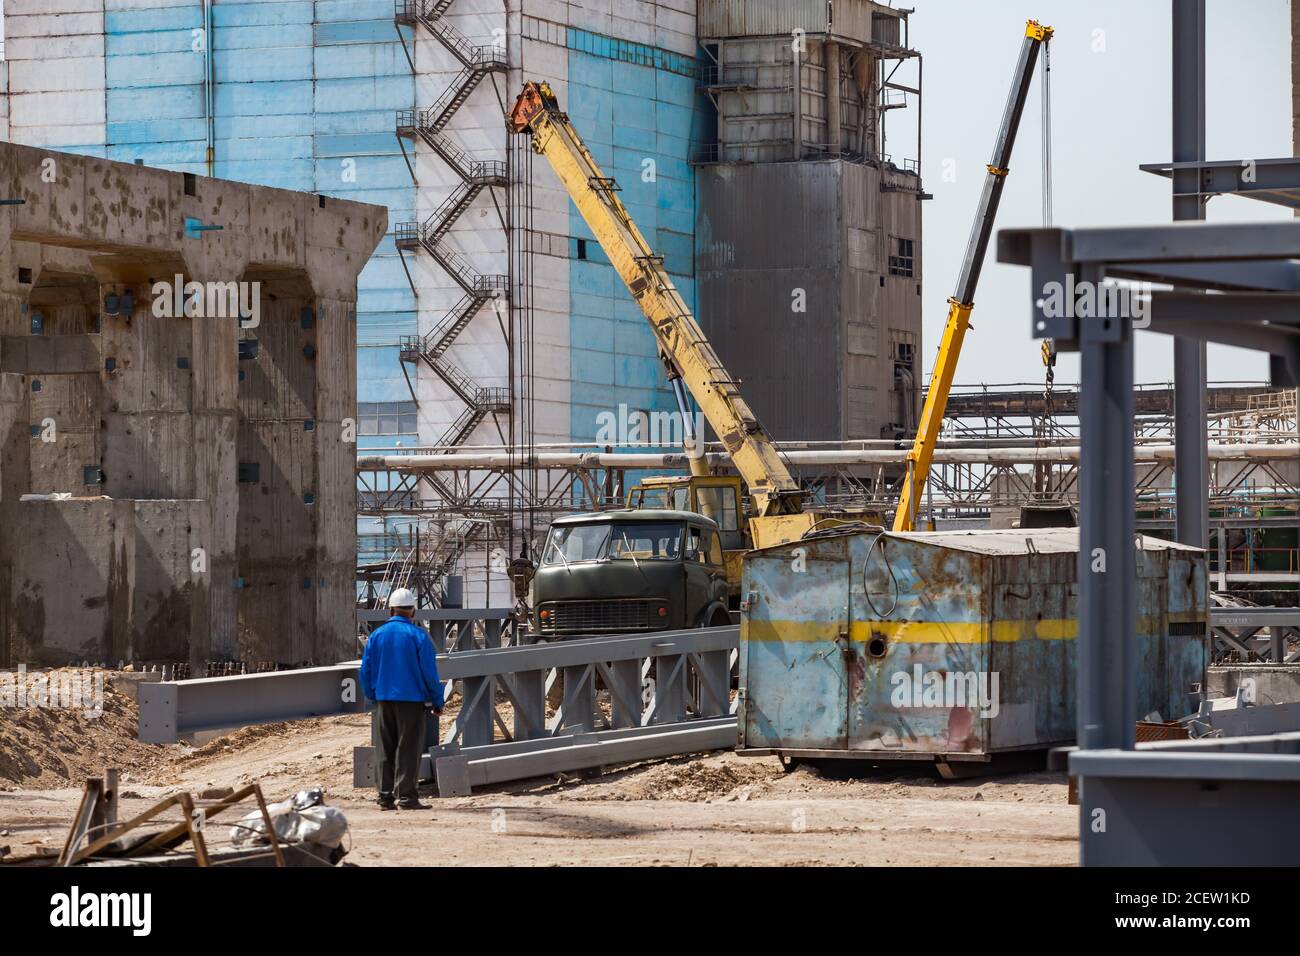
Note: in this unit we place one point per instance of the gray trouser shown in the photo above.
(399, 729)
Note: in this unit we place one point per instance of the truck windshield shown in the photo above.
(576, 542)
(621, 541)
(646, 541)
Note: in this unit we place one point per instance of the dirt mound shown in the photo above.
(700, 780)
(44, 747)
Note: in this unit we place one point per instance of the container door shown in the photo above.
(793, 639)
(918, 656)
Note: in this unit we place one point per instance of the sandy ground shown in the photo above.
(714, 809)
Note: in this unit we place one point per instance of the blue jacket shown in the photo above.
(400, 663)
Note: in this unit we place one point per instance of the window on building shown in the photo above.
(900, 263)
(387, 418)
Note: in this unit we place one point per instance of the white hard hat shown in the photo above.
(402, 597)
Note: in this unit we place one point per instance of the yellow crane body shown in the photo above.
(686, 353)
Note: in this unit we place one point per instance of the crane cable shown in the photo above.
(1049, 345)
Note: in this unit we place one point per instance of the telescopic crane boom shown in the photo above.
(687, 355)
(963, 300)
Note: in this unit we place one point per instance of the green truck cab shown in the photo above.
(624, 572)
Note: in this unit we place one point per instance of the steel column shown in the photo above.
(1191, 469)
(1107, 669)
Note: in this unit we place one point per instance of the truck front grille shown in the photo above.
(613, 617)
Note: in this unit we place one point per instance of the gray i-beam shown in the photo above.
(1107, 667)
(1192, 478)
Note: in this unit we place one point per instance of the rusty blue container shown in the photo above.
(947, 646)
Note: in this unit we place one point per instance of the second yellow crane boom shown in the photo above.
(963, 300)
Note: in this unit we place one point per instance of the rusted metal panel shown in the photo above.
(948, 644)
(792, 663)
(851, 19)
(919, 640)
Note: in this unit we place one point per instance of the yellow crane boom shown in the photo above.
(686, 353)
(963, 300)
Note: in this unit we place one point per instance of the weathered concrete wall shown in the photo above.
(150, 420)
(1274, 683)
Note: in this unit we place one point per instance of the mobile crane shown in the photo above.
(689, 360)
(962, 302)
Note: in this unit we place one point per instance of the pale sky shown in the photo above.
(1110, 113)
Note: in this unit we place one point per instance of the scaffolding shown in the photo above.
(997, 454)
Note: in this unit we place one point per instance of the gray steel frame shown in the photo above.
(454, 629)
(1237, 630)
(690, 709)
(1136, 806)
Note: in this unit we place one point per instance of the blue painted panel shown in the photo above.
(260, 38)
(264, 14)
(152, 69)
(158, 41)
(590, 367)
(795, 690)
(255, 66)
(360, 144)
(271, 148)
(384, 185)
(233, 127)
(362, 60)
(334, 10)
(117, 22)
(359, 31)
(378, 93)
(163, 155)
(284, 98)
(154, 103)
(146, 131)
(362, 121)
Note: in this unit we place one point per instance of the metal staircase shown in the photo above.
(430, 126)
(477, 60)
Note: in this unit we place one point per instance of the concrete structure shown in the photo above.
(207, 452)
(287, 93)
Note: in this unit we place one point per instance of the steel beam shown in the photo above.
(1149, 807)
(1187, 242)
(1268, 180)
(458, 773)
(172, 710)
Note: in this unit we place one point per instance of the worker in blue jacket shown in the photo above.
(399, 672)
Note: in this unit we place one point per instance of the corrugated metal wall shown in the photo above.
(851, 19)
(767, 243)
(774, 237)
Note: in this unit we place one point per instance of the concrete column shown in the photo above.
(831, 53)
